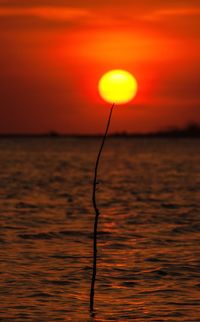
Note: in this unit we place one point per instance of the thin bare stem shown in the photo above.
(97, 213)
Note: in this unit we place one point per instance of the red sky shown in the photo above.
(53, 52)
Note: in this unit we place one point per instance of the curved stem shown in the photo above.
(97, 213)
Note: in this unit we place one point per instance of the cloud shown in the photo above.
(167, 13)
(152, 15)
(143, 4)
(51, 13)
(42, 17)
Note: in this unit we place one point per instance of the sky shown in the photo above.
(53, 53)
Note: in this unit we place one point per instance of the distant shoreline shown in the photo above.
(88, 136)
(190, 131)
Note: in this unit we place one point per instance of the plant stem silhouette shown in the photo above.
(97, 213)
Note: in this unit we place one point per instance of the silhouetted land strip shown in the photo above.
(190, 131)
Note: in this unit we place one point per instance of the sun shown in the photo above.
(118, 86)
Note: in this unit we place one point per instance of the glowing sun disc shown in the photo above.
(118, 86)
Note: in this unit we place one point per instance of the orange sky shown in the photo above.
(53, 52)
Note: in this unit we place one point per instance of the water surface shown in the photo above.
(149, 242)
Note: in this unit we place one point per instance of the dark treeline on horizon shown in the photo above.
(192, 130)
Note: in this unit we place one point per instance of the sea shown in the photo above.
(148, 194)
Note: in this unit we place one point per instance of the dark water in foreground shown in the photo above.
(149, 240)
